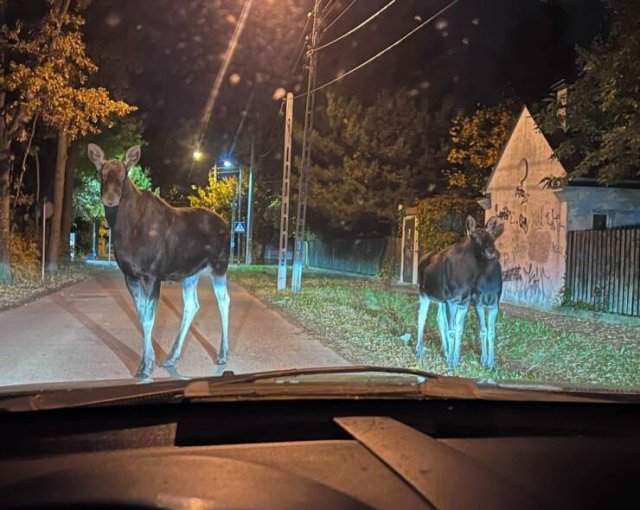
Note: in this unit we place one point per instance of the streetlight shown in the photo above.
(198, 155)
(227, 164)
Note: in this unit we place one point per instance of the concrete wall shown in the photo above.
(622, 206)
(533, 245)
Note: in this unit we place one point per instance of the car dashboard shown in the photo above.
(322, 453)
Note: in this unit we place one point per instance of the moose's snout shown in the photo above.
(110, 200)
(491, 253)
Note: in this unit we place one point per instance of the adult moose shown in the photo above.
(154, 242)
(465, 273)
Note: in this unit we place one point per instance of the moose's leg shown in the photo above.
(422, 317)
(443, 327)
(461, 314)
(491, 337)
(222, 295)
(452, 309)
(145, 292)
(482, 324)
(190, 308)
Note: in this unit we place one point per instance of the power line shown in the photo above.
(357, 27)
(342, 13)
(379, 54)
(325, 9)
(301, 43)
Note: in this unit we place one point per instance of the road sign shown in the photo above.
(240, 227)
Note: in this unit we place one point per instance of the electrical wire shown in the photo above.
(379, 54)
(342, 13)
(301, 44)
(356, 28)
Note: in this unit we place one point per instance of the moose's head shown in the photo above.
(112, 173)
(484, 238)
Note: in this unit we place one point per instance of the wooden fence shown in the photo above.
(603, 269)
(362, 256)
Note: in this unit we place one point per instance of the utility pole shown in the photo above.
(286, 176)
(248, 259)
(303, 184)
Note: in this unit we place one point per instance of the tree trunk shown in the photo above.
(67, 210)
(5, 221)
(58, 201)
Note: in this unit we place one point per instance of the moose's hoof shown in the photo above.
(144, 374)
(169, 362)
(144, 371)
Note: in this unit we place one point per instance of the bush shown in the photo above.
(441, 220)
(24, 258)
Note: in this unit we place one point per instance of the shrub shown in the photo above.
(441, 220)
(24, 258)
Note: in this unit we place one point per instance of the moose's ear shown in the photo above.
(132, 157)
(494, 227)
(96, 155)
(471, 225)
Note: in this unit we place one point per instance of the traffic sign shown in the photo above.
(240, 227)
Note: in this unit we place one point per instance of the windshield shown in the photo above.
(199, 186)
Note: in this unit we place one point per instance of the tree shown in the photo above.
(477, 140)
(369, 159)
(57, 86)
(14, 114)
(217, 195)
(602, 138)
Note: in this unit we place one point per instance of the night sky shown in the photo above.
(162, 55)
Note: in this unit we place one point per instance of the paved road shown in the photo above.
(89, 331)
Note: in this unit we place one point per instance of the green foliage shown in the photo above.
(217, 195)
(602, 139)
(477, 141)
(441, 220)
(368, 159)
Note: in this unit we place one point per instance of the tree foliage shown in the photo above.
(441, 220)
(52, 73)
(217, 195)
(602, 139)
(477, 140)
(369, 159)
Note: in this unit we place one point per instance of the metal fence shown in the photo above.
(362, 256)
(603, 269)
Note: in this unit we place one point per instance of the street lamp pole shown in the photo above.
(249, 232)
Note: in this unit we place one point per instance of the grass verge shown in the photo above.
(25, 290)
(368, 323)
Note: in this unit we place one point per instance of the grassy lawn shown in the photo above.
(368, 323)
(25, 290)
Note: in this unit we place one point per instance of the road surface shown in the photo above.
(89, 331)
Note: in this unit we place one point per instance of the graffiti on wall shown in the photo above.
(520, 193)
(533, 249)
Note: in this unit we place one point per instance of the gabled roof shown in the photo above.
(552, 140)
(513, 130)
